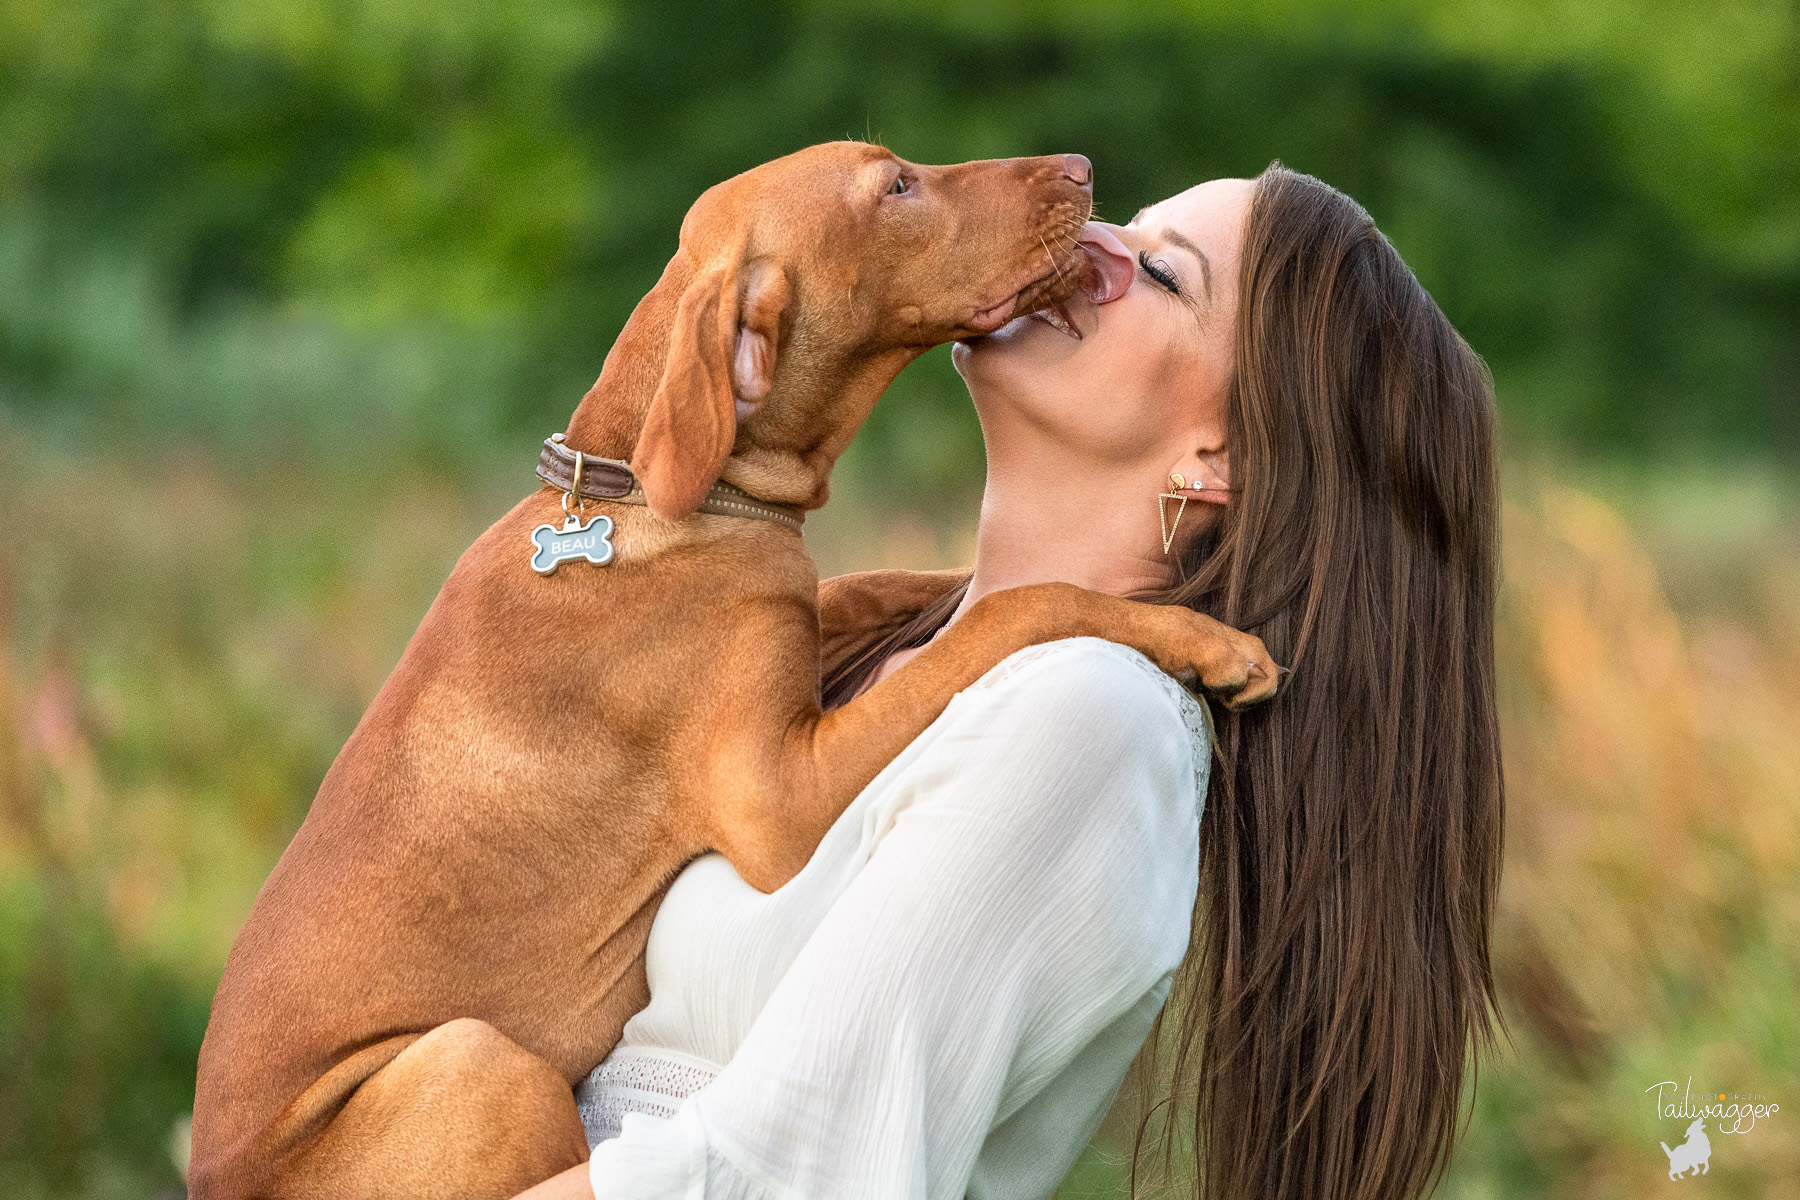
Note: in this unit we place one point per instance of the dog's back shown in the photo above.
(493, 837)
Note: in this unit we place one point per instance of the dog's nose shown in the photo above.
(1078, 170)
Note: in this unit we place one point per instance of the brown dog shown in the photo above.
(454, 936)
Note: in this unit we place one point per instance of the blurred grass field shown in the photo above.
(290, 292)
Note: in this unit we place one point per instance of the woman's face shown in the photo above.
(1144, 382)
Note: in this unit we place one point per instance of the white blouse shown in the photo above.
(945, 1000)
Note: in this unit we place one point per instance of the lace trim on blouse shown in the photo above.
(652, 1082)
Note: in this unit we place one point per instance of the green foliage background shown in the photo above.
(333, 218)
(370, 232)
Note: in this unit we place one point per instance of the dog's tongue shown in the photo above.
(1110, 265)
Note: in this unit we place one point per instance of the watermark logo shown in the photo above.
(1694, 1155)
(1730, 1112)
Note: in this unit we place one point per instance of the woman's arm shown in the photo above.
(1027, 904)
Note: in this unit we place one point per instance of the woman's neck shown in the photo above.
(1046, 521)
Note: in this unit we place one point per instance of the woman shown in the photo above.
(1256, 411)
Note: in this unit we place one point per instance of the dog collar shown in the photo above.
(610, 479)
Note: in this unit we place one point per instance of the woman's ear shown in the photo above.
(1206, 476)
(1215, 476)
(722, 349)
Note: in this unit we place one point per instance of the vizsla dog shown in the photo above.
(455, 934)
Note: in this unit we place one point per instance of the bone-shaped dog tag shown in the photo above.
(576, 538)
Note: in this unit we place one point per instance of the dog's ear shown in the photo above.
(720, 365)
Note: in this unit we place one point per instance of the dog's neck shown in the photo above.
(788, 469)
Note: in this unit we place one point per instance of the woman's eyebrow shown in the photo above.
(1170, 235)
(1205, 262)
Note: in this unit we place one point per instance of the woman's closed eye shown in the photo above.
(1160, 274)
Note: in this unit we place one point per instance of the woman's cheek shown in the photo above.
(1127, 375)
(1106, 410)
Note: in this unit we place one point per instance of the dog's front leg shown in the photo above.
(780, 808)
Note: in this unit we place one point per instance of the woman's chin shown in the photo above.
(978, 355)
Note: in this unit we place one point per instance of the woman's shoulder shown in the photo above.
(1087, 667)
(1085, 760)
(1099, 689)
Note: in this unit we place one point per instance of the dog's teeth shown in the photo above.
(1059, 320)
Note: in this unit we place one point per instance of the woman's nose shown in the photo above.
(1111, 267)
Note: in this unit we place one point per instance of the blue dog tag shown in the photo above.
(576, 539)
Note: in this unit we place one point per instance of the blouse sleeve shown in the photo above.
(1016, 926)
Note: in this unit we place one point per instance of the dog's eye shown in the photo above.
(900, 186)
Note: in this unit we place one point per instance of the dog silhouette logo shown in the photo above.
(1693, 1155)
(577, 539)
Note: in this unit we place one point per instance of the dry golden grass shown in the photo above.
(1650, 923)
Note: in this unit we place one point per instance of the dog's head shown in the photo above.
(803, 286)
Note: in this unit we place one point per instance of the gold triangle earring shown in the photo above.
(1176, 483)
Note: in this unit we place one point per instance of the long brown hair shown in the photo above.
(1338, 983)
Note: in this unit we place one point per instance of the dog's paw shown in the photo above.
(1231, 664)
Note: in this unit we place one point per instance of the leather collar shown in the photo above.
(610, 479)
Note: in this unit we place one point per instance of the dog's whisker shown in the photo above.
(1054, 265)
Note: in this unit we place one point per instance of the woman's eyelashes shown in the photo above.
(1163, 277)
